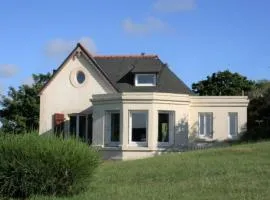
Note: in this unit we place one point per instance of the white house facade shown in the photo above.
(133, 106)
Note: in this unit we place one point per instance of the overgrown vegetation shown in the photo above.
(44, 165)
(20, 108)
(240, 172)
(223, 83)
(258, 126)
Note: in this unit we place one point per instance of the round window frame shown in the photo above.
(73, 77)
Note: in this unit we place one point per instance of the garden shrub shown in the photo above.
(256, 134)
(44, 165)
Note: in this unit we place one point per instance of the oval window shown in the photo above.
(80, 77)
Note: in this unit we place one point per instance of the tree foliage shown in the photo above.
(258, 126)
(260, 89)
(259, 110)
(20, 107)
(223, 83)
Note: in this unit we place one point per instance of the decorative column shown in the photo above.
(124, 132)
(152, 128)
(98, 130)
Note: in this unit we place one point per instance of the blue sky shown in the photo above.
(195, 37)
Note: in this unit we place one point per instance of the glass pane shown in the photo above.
(80, 77)
(208, 124)
(115, 127)
(233, 123)
(201, 123)
(139, 126)
(146, 78)
(163, 127)
(90, 128)
(82, 127)
(72, 125)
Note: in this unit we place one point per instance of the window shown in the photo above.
(165, 126)
(82, 127)
(145, 79)
(79, 126)
(206, 124)
(233, 124)
(90, 128)
(113, 127)
(73, 125)
(80, 77)
(138, 127)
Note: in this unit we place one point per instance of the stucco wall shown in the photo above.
(99, 110)
(150, 102)
(185, 109)
(63, 96)
(220, 106)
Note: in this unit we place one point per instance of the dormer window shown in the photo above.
(145, 79)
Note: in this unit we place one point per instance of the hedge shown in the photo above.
(44, 165)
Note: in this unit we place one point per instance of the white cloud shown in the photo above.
(174, 5)
(61, 47)
(28, 81)
(89, 44)
(149, 26)
(8, 70)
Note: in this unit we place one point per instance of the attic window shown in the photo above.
(145, 80)
(80, 77)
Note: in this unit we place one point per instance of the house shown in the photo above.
(133, 106)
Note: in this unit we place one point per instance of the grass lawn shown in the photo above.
(239, 172)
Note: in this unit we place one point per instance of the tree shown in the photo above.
(260, 89)
(20, 108)
(222, 84)
(258, 126)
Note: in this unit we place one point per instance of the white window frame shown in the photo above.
(145, 84)
(108, 128)
(134, 143)
(229, 125)
(204, 135)
(171, 127)
(78, 124)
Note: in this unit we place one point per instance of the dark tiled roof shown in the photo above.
(122, 69)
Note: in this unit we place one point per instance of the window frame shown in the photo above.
(145, 84)
(134, 143)
(171, 127)
(73, 77)
(205, 135)
(108, 133)
(229, 125)
(78, 125)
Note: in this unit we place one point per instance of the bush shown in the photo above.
(256, 134)
(44, 165)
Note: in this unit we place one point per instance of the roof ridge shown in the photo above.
(126, 56)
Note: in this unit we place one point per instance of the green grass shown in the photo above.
(239, 172)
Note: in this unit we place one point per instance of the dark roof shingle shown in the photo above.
(122, 69)
(120, 72)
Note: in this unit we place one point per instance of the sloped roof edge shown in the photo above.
(73, 53)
